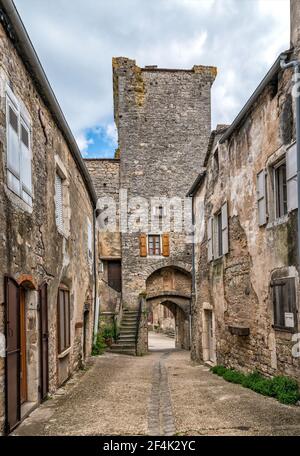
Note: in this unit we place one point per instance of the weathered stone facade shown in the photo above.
(164, 119)
(33, 250)
(234, 312)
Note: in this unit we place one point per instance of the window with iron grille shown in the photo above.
(154, 245)
(19, 173)
(284, 303)
(64, 319)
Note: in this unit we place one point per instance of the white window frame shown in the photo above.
(23, 121)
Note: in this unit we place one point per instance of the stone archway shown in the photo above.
(170, 286)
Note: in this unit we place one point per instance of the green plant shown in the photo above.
(284, 389)
(99, 345)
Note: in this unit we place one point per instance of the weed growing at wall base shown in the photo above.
(284, 389)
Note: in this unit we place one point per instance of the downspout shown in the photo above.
(96, 297)
(296, 65)
(193, 271)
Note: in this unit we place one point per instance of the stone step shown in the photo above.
(127, 338)
(124, 346)
(124, 352)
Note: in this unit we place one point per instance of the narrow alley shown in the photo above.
(162, 393)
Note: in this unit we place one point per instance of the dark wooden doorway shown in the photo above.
(85, 332)
(44, 338)
(23, 364)
(13, 354)
(115, 275)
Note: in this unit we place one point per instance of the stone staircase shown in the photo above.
(126, 343)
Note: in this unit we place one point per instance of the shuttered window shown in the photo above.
(284, 304)
(261, 198)
(224, 221)
(210, 239)
(59, 201)
(64, 319)
(19, 158)
(291, 176)
(154, 245)
(280, 189)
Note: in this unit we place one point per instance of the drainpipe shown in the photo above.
(193, 270)
(296, 65)
(96, 298)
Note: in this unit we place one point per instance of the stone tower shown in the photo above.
(163, 118)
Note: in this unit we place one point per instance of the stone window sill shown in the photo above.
(280, 329)
(63, 233)
(64, 353)
(278, 222)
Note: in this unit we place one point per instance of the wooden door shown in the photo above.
(44, 336)
(23, 370)
(210, 335)
(115, 275)
(12, 360)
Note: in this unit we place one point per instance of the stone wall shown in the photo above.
(31, 248)
(105, 174)
(237, 286)
(163, 119)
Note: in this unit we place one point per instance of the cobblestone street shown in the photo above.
(159, 394)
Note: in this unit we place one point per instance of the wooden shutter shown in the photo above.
(291, 178)
(261, 198)
(225, 247)
(166, 244)
(143, 245)
(210, 239)
(59, 201)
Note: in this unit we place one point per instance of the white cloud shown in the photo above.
(77, 40)
(83, 143)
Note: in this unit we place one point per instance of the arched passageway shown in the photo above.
(168, 302)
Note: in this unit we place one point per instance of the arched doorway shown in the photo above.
(168, 301)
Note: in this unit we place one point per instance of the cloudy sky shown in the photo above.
(76, 40)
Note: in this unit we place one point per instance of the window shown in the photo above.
(64, 319)
(114, 274)
(59, 202)
(280, 186)
(154, 245)
(19, 173)
(216, 161)
(217, 234)
(284, 303)
(282, 197)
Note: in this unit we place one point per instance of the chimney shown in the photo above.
(295, 24)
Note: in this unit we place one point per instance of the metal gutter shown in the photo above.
(196, 184)
(267, 79)
(24, 46)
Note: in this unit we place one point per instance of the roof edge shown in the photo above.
(244, 111)
(25, 49)
(197, 183)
